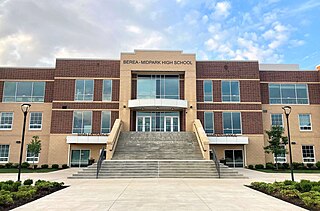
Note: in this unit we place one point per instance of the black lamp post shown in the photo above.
(25, 108)
(287, 111)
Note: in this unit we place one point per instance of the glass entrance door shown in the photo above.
(171, 124)
(234, 158)
(79, 158)
(144, 123)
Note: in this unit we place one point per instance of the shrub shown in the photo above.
(55, 166)
(28, 182)
(303, 186)
(6, 199)
(315, 188)
(288, 182)
(65, 166)
(311, 199)
(269, 166)
(26, 195)
(250, 166)
(285, 165)
(8, 165)
(35, 166)
(310, 165)
(15, 165)
(2, 166)
(259, 166)
(318, 164)
(301, 166)
(44, 166)
(25, 165)
(295, 165)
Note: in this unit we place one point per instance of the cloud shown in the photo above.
(221, 10)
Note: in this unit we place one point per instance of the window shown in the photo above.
(230, 91)
(231, 122)
(6, 119)
(105, 122)
(308, 154)
(207, 91)
(158, 86)
(305, 122)
(82, 122)
(4, 153)
(288, 94)
(32, 158)
(84, 90)
(23, 92)
(107, 90)
(276, 120)
(35, 121)
(281, 157)
(208, 122)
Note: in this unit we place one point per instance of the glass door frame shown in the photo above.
(144, 123)
(171, 123)
(234, 162)
(79, 162)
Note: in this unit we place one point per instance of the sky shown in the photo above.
(36, 32)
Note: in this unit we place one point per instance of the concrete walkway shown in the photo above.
(159, 194)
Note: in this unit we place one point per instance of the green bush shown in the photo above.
(9, 186)
(301, 166)
(288, 182)
(259, 166)
(25, 165)
(269, 166)
(6, 199)
(318, 164)
(304, 186)
(15, 165)
(65, 166)
(28, 182)
(295, 165)
(285, 165)
(44, 166)
(316, 188)
(26, 195)
(55, 166)
(35, 166)
(310, 165)
(311, 199)
(8, 165)
(250, 166)
(46, 185)
(2, 166)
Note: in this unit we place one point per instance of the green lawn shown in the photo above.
(310, 171)
(5, 170)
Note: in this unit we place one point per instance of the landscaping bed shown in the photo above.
(27, 168)
(14, 194)
(305, 194)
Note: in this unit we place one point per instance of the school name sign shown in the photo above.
(158, 62)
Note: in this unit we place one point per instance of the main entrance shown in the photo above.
(158, 121)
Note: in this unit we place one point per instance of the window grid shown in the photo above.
(280, 88)
(107, 90)
(234, 125)
(33, 97)
(82, 122)
(84, 93)
(35, 121)
(308, 153)
(6, 120)
(4, 153)
(305, 122)
(207, 91)
(277, 120)
(233, 92)
(209, 122)
(30, 158)
(105, 122)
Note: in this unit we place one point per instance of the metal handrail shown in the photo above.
(99, 163)
(216, 161)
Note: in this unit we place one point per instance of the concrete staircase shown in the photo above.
(156, 169)
(157, 146)
(157, 155)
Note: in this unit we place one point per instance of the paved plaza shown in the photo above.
(158, 194)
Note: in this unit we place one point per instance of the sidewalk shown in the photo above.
(159, 194)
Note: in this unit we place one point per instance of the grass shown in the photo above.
(308, 171)
(13, 170)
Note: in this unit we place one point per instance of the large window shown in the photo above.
(308, 154)
(305, 122)
(276, 120)
(158, 86)
(23, 91)
(84, 90)
(281, 156)
(209, 122)
(6, 119)
(4, 153)
(35, 121)
(32, 157)
(288, 94)
(82, 122)
(105, 121)
(107, 90)
(231, 123)
(207, 91)
(230, 91)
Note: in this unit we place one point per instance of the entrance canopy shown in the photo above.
(153, 104)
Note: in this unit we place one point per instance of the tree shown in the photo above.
(34, 147)
(276, 142)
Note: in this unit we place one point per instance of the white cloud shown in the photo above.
(221, 10)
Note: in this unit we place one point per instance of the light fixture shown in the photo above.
(25, 107)
(191, 106)
(287, 109)
(124, 106)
